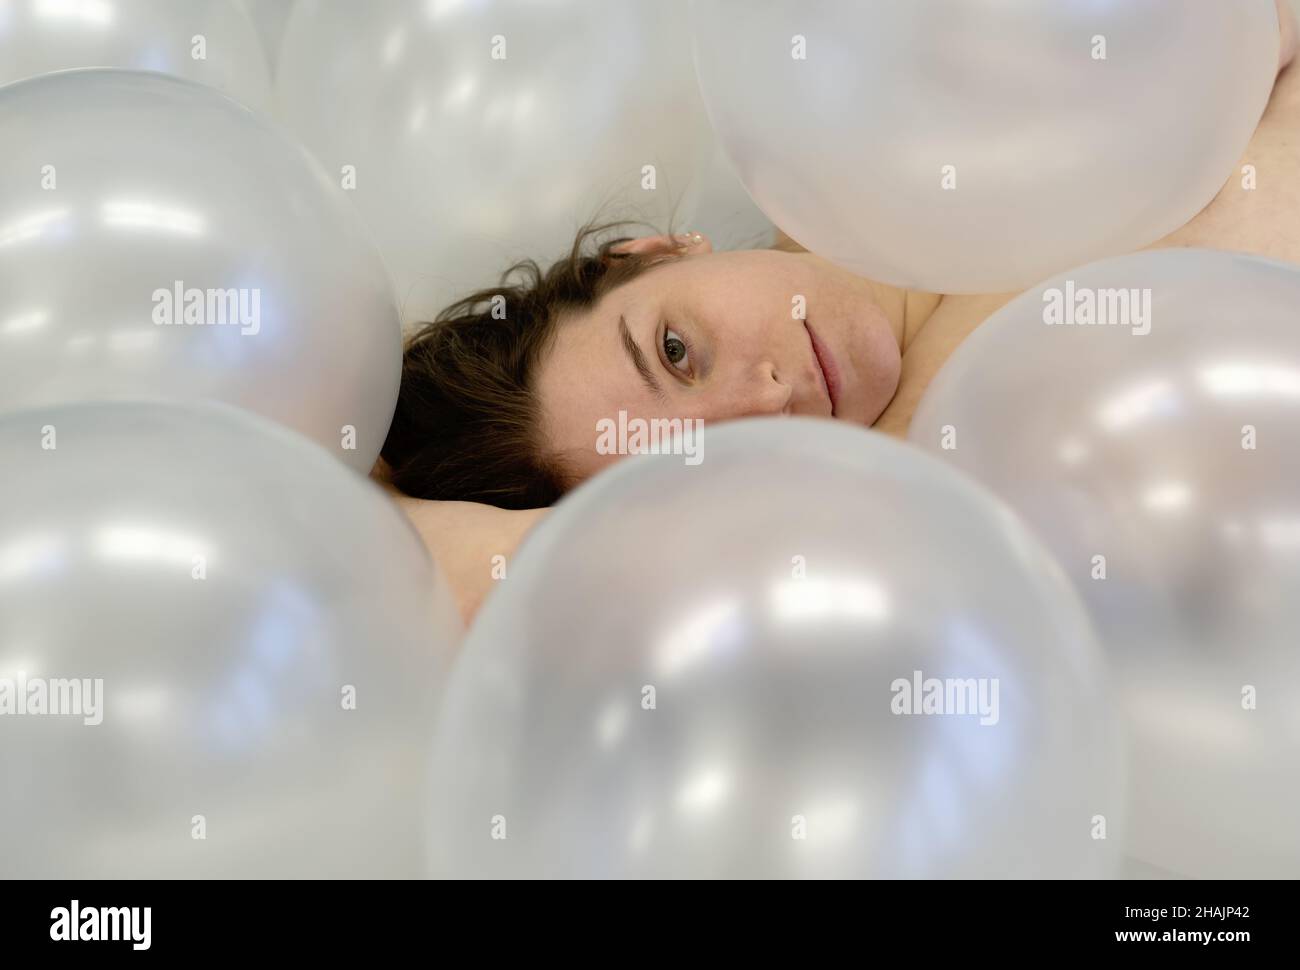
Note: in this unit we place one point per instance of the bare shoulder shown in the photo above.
(469, 541)
(1258, 208)
(951, 322)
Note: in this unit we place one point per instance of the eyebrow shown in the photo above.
(639, 359)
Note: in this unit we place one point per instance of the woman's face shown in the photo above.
(716, 336)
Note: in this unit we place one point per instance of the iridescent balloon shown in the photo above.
(725, 670)
(963, 146)
(159, 240)
(478, 134)
(210, 41)
(220, 652)
(1156, 450)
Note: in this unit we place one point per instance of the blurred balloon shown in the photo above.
(725, 212)
(270, 17)
(1159, 455)
(482, 133)
(701, 671)
(157, 239)
(962, 146)
(209, 41)
(234, 590)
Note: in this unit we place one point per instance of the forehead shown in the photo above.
(584, 377)
(703, 285)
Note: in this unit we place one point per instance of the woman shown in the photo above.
(502, 395)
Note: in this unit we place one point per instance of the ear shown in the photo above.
(684, 243)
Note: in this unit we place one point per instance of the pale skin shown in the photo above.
(748, 356)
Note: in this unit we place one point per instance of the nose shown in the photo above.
(765, 393)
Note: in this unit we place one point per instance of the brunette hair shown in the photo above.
(466, 424)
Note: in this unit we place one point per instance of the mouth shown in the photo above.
(830, 373)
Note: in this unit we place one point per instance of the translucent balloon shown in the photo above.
(962, 146)
(1157, 452)
(730, 670)
(209, 41)
(159, 240)
(269, 17)
(219, 652)
(482, 133)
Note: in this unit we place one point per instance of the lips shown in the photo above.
(830, 371)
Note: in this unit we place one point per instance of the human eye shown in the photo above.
(677, 352)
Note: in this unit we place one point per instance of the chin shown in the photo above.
(864, 415)
(879, 368)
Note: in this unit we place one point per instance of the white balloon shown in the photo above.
(40, 36)
(484, 133)
(1157, 453)
(701, 672)
(244, 642)
(159, 240)
(962, 146)
(270, 17)
(725, 212)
